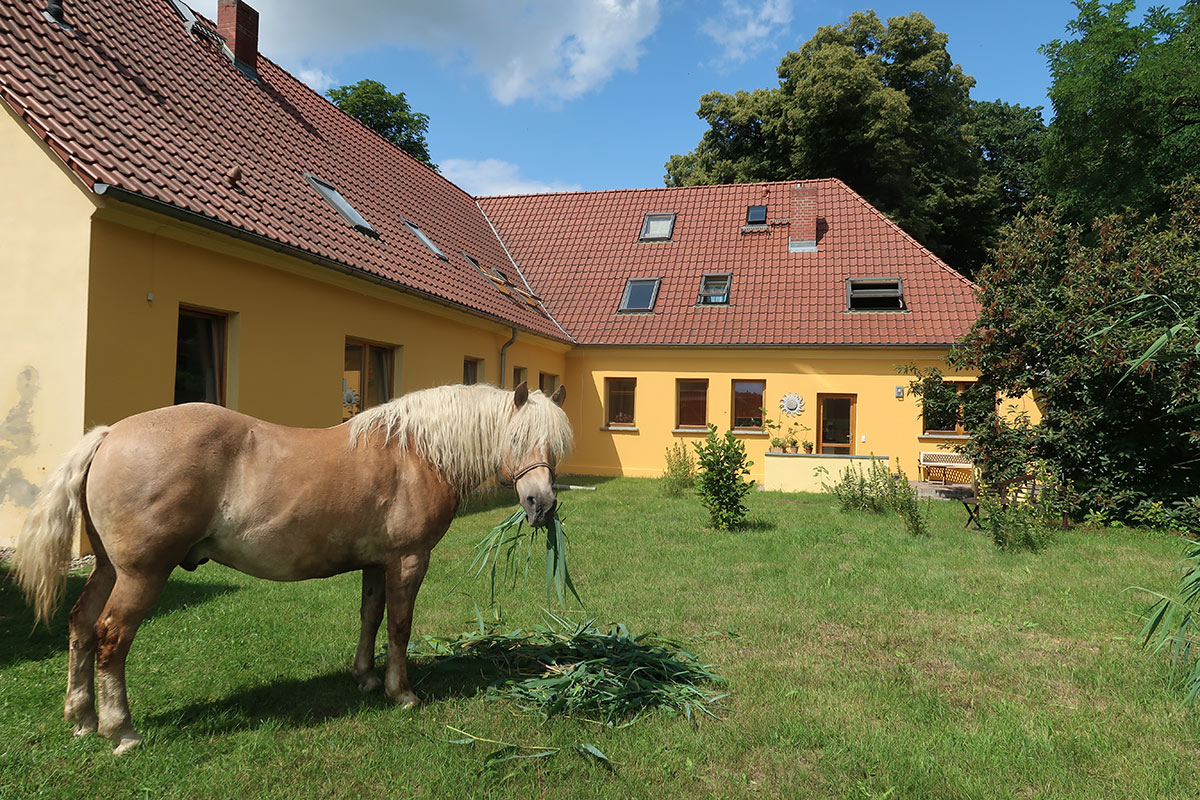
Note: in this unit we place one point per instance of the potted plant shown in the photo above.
(792, 441)
(808, 446)
(770, 427)
(778, 444)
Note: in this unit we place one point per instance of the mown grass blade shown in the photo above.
(591, 751)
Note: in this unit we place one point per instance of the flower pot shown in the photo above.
(808, 448)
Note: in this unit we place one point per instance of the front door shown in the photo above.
(835, 423)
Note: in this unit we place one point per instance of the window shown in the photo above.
(748, 404)
(941, 409)
(874, 294)
(691, 403)
(367, 380)
(835, 423)
(756, 215)
(520, 375)
(714, 290)
(420, 234)
(471, 368)
(340, 204)
(640, 294)
(547, 383)
(200, 358)
(516, 292)
(619, 408)
(657, 228)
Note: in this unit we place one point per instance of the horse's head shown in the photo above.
(539, 436)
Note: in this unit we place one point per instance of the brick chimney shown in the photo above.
(802, 233)
(238, 23)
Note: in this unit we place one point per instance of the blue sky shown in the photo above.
(536, 95)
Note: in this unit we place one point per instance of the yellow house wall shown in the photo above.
(43, 316)
(885, 425)
(287, 328)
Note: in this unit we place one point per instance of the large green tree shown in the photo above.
(1011, 139)
(879, 105)
(1100, 324)
(1126, 107)
(387, 114)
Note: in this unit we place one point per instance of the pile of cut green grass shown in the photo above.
(577, 670)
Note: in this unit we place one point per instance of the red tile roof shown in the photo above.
(577, 249)
(129, 99)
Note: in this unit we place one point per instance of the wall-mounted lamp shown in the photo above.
(900, 392)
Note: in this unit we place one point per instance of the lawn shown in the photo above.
(861, 663)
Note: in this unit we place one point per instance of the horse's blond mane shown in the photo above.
(465, 431)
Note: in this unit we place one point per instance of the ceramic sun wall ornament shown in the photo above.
(792, 404)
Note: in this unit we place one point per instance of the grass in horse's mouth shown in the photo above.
(514, 540)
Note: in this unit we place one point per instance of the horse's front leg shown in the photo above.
(371, 614)
(404, 576)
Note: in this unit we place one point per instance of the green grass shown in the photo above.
(860, 661)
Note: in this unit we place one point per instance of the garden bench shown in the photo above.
(940, 459)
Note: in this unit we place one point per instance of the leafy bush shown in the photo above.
(719, 481)
(1019, 526)
(680, 475)
(878, 491)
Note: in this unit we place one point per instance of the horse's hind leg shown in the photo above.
(373, 596)
(80, 707)
(132, 598)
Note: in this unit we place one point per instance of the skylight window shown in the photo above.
(518, 293)
(640, 294)
(756, 215)
(340, 204)
(714, 290)
(874, 294)
(657, 228)
(420, 234)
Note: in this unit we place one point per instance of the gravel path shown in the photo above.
(82, 562)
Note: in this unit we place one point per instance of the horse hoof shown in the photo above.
(407, 700)
(369, 683)
(84, 728)
(126, 744)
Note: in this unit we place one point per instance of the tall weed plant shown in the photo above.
(679, 478)
(877, 491)
(1173, 625)
(722, 465)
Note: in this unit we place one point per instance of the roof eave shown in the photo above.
(200, 220)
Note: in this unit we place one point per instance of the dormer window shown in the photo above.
(875, 294)
(640, 294)
(657, 228)
(756, 215)
(420, 234)
(714, 290)
(340, 204)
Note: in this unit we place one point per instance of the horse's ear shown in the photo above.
(521, 394)
(559, 395)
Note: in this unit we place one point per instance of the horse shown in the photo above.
(181, 485)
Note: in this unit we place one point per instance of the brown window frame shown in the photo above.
(609, 422)
(389, 384)
(548, 382)
(679, 423)
(519, 375)
(220, 357)
(733, 405)
(821, 444)
(958, 429)
(473, 365)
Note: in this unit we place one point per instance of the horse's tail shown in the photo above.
(44, 544)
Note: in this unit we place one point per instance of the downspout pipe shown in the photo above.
(504, 357)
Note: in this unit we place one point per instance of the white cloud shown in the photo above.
(742, 30)
(546, 50)
(317, 79)
(493, 176)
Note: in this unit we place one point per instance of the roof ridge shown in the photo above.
(929, 253)
(655, 188)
